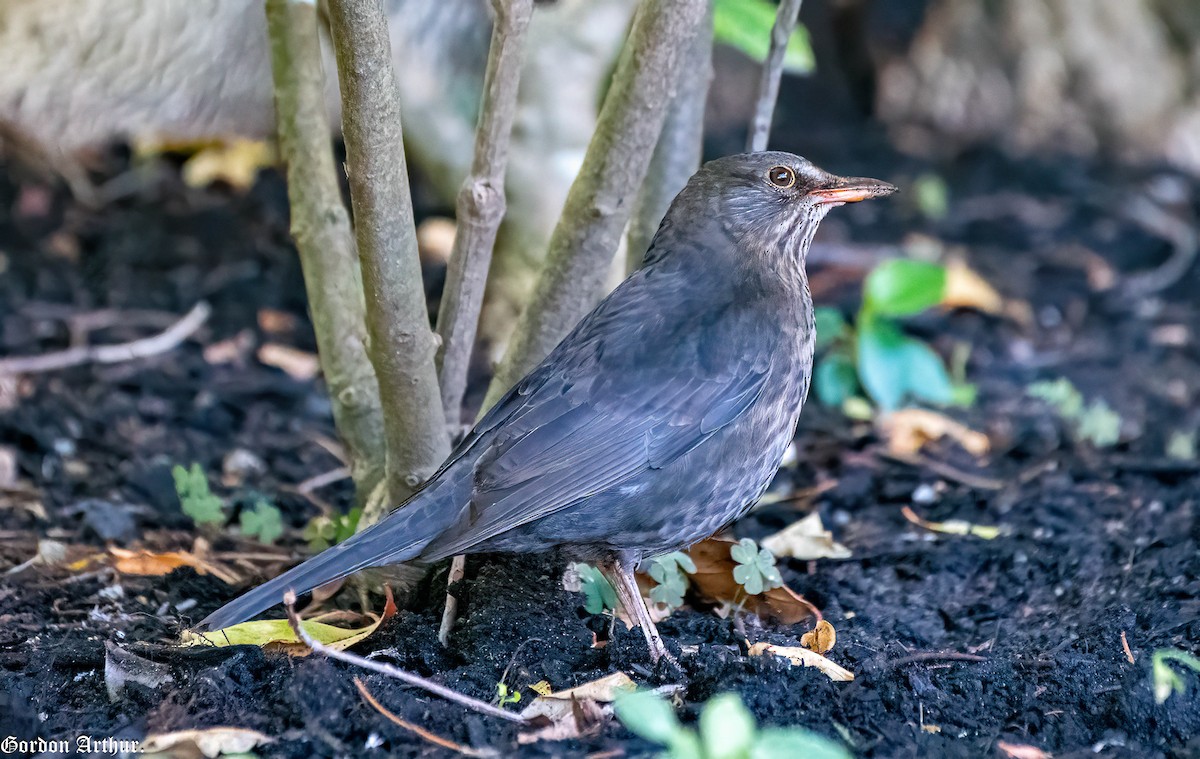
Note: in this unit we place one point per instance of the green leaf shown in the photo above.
(1060, 394)
(831, 326)
(726, 727)
(598, 592)
(893, 367)
(648, 715)
(755, 570)
(835, 379)
(195, 499)
(932, 197)
(1099, 425)
(746, 25)
(263, 522)
(902, 287)
(776, 742)
(668, 571)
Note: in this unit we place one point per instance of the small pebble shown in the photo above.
(925, 494)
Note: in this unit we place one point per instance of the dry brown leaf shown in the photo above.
(966, 289)
(575, 711)
(804, 658)
(579, 718)
(153, 564)
(230, 350)
(1021, 751)
(806, 540)
(210, 742)
(542, 688)
(236, 163)
(298, 364)
(713, 581)
(274, 321)
(820, 639)
(908, 430)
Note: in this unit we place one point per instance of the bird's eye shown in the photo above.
(782, 177)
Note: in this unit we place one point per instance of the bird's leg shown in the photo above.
(621, 574)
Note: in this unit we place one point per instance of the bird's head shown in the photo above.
(770, 202)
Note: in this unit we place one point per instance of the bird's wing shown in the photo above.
(622, 394)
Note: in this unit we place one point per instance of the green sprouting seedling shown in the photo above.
(504, 697)
(1167, 680)
(196, 500)
(598, 593)
(263, 522)
(746, 26)
(1181, 446)
(727, 731)
(755, 570)
(669, 572)
(873, 356)
(324, 531)
(1095, 423)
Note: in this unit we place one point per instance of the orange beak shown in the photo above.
(852, 190)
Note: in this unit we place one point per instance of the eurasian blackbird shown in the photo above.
(659, 419)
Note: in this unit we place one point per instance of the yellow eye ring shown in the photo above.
(782, 177)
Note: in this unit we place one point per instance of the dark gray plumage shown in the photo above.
(659, 419)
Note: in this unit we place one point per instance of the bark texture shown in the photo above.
(402, 345)
(600, 200)
(481, 204)
(321, 230)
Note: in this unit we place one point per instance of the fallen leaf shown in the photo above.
(820, 639)
(931, 728)
(542, 688)
(953, 526)
(1021, 751)
(274, 321)
(236, 163)
(806, 540)
(298, 364)
(966, 289)
(713, 581)
(210, 742)
(277, 634)
(230, 350)
(50, 553)
(909, 430)
(804, 658)
(154, 564)
(576, 711)
(579, 718)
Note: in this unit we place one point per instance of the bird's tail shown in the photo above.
(399, 537)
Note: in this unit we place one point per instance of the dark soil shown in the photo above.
(956, 642)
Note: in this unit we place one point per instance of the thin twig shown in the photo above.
(289, 602)
(321, 480)
(164, 341)
(943, 469)
(680, 145)
(433, 738)
(320, 227)
(600, 201)
(933, 656)
(768, 87)
(458, 568)
(1185, 244)
(402, 346)
(481, 203)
